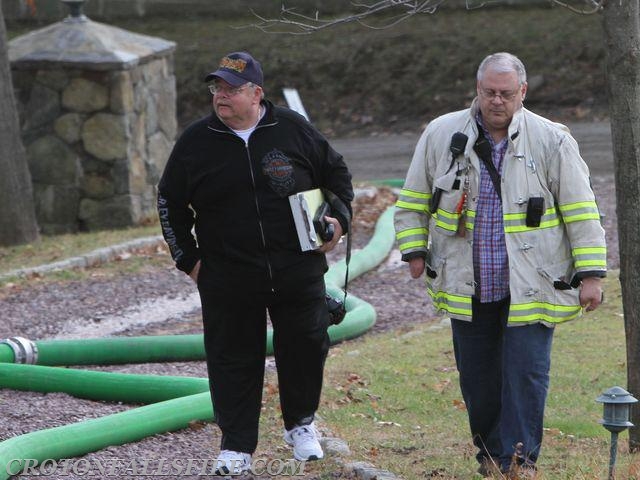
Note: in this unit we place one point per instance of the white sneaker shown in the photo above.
(230, 462)
(304, 440)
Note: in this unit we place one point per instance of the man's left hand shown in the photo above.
(591, 293)
(337, 233)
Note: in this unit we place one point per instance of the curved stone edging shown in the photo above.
(90, 259)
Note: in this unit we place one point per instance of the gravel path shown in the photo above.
(45, 309)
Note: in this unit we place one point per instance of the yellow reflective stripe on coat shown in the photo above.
(450, 221)
(446, 220)
(470, 220)
(417, 244)
(412, 231)
(590, 257)
(412, 200)
(405, 192)
(416, 207)
(579, 211)
(412, 238)
(520, 313)
(542, 311)
(453, 304)
(517, 222)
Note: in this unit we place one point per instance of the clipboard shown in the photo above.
(304, 206)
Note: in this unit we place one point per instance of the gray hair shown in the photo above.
(253, 85)
(502, 62)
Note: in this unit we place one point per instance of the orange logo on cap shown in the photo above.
(236, 64)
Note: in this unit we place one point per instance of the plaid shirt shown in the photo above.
(490, 261)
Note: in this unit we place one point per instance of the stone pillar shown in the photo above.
(98, 123)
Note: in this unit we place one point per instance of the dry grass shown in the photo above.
(53, 248)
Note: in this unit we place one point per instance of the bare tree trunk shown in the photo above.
(621, 22)
(17, 214)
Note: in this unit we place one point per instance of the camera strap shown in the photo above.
(483, 150)
(347, 258)
(338, 206)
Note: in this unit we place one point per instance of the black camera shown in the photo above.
(324, 229)
(336, 309)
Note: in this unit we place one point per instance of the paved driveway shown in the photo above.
(383, 157)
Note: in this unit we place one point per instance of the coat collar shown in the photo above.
(514, 127)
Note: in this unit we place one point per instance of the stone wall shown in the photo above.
(96, 142)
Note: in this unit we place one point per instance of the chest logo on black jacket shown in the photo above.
(279, 170)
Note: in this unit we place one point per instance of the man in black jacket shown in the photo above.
(230, 174)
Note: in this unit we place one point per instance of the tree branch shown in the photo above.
(292, 22)
(369, 15)
(596, 6)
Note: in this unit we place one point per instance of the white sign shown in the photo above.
(295, 103)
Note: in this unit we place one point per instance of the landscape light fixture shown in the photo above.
(75, 10)
(616, 404)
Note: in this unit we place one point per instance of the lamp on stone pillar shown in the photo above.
(98, 120)
(616, 402)
(75, 10)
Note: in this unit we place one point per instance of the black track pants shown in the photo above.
(235, 344)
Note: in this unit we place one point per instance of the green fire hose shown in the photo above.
(91, 435)
(175, 401)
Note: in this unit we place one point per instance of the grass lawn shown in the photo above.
(395, 398)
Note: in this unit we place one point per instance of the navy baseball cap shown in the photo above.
(238, 68)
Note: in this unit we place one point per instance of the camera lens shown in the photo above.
(329, 230)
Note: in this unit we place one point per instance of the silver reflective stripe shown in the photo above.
(580, 211)
(447, 220)
(542, 311)
(415, 201)
(412, 238)
(456, 305)
(517, 222)
(587, 257)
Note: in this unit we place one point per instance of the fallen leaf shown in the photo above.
(441, 386)
(388, 424)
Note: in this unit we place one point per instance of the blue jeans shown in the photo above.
(504, 378)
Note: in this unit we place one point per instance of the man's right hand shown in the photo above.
(194, 273)
(416, 267)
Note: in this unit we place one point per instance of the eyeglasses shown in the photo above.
(504, 96)
(229, 92)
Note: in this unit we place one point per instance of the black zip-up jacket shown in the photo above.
(237, 196)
